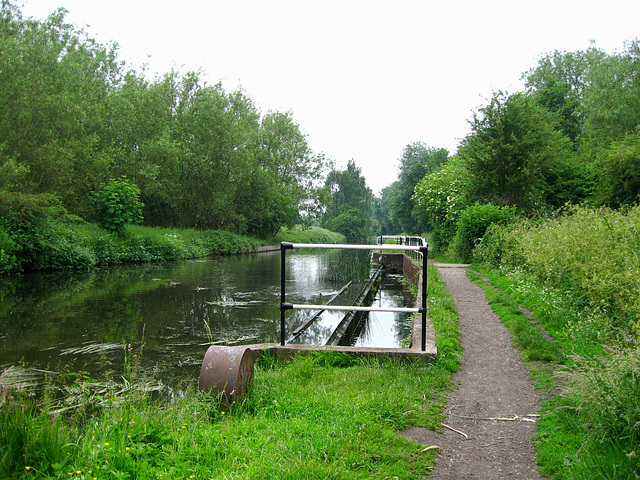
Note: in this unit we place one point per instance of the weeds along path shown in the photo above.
(491, 413)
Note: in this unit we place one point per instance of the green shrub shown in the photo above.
(39, 235)
(473, 223)
(8, 259)
(117, 203)
(498, 243)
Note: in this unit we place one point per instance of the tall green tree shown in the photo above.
(53, 84)
(611, 102)
(558, 83)
(517, 155)
(619, 172)
(382, 222)
(285, 182)
(350, 204)
(417, 160)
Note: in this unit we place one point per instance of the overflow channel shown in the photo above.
(227, 370)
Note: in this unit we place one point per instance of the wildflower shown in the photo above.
(78, 472)
(27, 468)
(106, 444)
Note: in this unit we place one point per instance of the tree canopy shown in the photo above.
(349, 205)
(570, 137)
(73, 117)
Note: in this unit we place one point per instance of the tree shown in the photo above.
(53, 83)
(382, 223)
(558, 83)
(611, 100)
(350, 203)
(441, 196)
(517, 155)
(416, 161)
(284, 183)
(619, 172)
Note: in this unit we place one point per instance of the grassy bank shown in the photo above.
(48, 241)
(320, 416)
(578, 276)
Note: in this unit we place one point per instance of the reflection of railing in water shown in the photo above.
(421, 248)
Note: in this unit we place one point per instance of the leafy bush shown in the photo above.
(351, 224)
(38, 235)
(498, 243)
(473, 223)
(441, 196)
(8, 260)
(117, 204)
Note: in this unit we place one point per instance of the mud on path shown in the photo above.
(492, 410)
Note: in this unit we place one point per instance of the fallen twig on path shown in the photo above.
(457, 431)
(514, 418)
(431, 447)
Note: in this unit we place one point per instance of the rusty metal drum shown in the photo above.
(226, 371)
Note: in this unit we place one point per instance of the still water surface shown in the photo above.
(171, 312)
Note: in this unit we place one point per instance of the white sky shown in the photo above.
(363, 78)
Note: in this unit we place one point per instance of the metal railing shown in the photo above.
(284, 306)
(403, 240)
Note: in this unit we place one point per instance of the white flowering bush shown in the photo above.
(442, 196)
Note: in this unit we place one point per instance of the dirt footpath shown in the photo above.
(491, 414)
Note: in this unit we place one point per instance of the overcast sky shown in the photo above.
(363, 78)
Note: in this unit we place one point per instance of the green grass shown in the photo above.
(323, 416)
(304, 419)
(300, 234)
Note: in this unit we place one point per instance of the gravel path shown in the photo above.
(494, 404)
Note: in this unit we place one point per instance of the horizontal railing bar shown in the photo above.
(354, 309)
(356, 247)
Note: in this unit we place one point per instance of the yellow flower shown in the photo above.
(106, 444)
(27, 468)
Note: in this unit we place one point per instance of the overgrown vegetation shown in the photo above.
(579, 275)
(328, 415)
(561, 159)
(37, 233)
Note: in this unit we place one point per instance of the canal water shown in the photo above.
(167, 314)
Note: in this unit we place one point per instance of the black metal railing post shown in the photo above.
(284, 246)
(424, 249)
